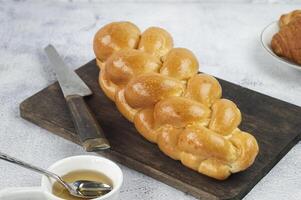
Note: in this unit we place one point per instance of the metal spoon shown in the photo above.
(81, 188)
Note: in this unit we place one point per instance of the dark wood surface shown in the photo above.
(275, 124)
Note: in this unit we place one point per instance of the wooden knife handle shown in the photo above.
(90, 133)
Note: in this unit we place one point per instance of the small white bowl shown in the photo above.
(266, 39)
(61, 167)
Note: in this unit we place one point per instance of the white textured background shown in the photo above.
(224, 36)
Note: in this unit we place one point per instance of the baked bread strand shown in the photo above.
(155, 41)
(114, 37)
(122, 66)
(158, 88)
(179, 63)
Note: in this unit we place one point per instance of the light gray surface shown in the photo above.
(225, 37)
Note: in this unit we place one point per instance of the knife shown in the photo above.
(74, 89)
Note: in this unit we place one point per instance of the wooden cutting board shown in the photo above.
(275, 124)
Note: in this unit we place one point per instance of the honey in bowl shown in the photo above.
(61, 192)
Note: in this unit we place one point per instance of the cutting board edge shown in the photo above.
(51, 127)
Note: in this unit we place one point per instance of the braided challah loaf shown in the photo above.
(158, 88)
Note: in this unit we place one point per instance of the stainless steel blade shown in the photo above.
(69, 81)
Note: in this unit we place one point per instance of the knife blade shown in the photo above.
(74, 89)
(69, 81)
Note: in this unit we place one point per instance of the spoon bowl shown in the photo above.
(90, 189)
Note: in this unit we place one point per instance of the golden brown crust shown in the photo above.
(155, 41)
(180, 63)
(180, 112)
(287, 42)
(173, 106)
(125, 64)
(122, 66)
(126, 110)
(192, 161)
(105, 83)
(225, 117)
(214, 168)
(287, 18)
(144, 123)
(167, 139)
(206, 143)
(113, 37)
(204, 88)
(247, 148)
(148, 89)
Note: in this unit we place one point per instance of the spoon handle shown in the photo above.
(10, 159)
